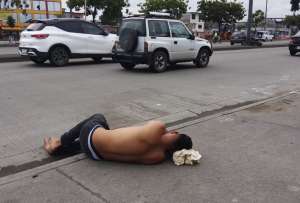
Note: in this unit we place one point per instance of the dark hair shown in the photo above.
(183, 142)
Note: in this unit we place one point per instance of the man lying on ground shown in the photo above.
(147, 144)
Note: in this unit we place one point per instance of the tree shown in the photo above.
(74, 4)
(293, 20)
(112, 12)
(175, 7)
(295, 6)
(221, 11)
(258, 18)
(11, 22)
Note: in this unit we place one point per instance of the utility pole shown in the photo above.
(85, 10)
(266, 15)
(249, 24)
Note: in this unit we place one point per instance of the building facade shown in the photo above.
(25, 10)
(193, 21)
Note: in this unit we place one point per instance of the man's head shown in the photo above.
(182, 142)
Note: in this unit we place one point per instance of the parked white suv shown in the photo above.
(160, 42)
(264, 35)
(61, 39)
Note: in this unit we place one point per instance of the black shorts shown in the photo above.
(86, 135)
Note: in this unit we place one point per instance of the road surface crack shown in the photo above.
(98, 195)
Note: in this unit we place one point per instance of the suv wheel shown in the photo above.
(59, 56)
(159, 62)
(38, 60)
(202, 59)
(97, 59)
(293, 53)
(127, 66)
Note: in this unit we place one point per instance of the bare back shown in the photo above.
(132, 144)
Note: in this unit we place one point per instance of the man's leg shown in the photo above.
(69, 137)
(68, 142)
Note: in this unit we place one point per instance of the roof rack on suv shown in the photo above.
(153, 15)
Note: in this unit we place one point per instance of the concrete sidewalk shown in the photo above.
(9, 54)
(250, 154)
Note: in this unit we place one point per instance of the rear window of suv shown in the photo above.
(70, 26)
(135, 24)
(35, 27)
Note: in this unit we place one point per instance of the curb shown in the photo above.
(12, 58)
(15, 58)
(249, 47)
(66, 161)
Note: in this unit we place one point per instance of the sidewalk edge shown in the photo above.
(47, 167)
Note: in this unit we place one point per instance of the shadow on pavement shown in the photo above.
(70, 64)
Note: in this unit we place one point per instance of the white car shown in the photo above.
(158, 41)
(61, 39)
(265, 36)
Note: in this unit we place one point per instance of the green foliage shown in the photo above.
(74, 3)
(11, 22)
(258, 18)
(293, 20)
(112, 13)
(295, 5)
(112, 9)
(175, 7)
(221, 11)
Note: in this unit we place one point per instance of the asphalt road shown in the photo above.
(39, 101)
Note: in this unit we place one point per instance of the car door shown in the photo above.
(98, 41)
(72, 36)
(160, 35)
(183, 47)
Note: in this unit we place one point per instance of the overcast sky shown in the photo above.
(276, 8)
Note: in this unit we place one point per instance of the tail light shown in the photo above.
(40, 36)
(146, 47)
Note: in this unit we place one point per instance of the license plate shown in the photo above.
(23, 51)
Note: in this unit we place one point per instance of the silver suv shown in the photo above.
(160, 42)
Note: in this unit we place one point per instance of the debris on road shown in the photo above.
(186, 157)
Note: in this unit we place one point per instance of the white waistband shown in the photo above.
(94, 155)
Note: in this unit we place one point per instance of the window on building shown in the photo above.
(39, 5)
(200, 26)
(158, 28)
(193, 16)
(54, 6)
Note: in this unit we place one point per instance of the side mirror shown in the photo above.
(191, 37)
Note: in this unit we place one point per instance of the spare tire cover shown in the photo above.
(128, 39)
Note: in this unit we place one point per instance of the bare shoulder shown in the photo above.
(153, 131)
(157, 125)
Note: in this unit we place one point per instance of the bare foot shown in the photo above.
(51, 144)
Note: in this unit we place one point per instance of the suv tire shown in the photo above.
(59, 56)
(293, 53)
(97, 59)
(202, 59)
(160, 61)
(128, 66)
(38, 60)
(128, 39)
